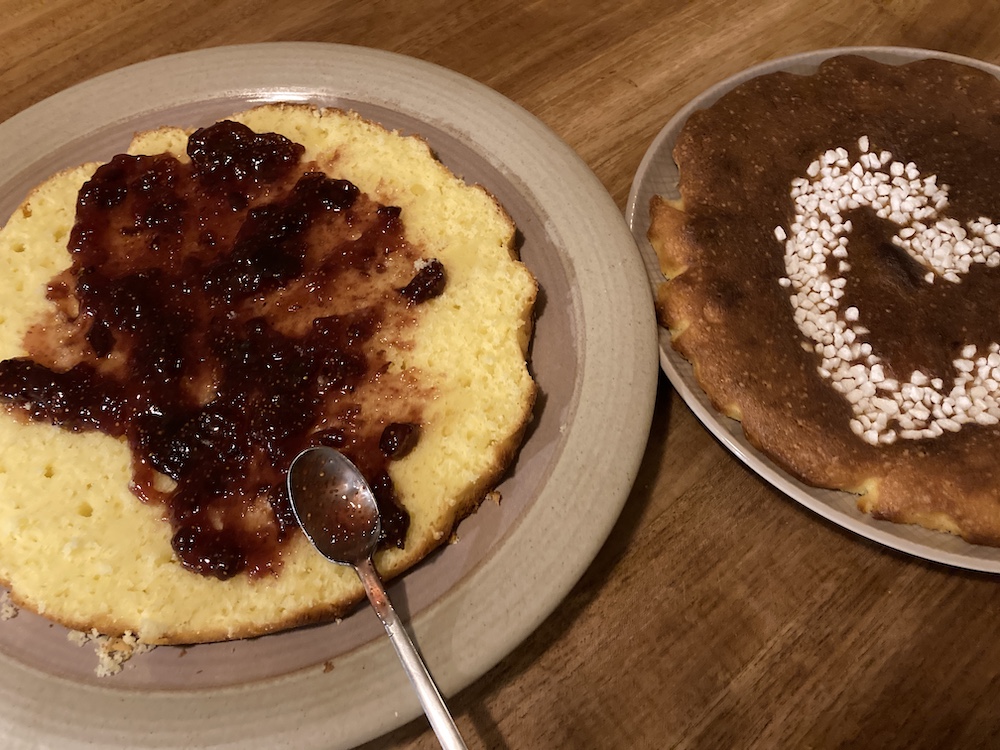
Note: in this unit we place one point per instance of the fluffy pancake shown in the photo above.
(829, 277)
(79, 547)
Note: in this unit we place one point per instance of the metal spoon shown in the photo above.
(336, 509)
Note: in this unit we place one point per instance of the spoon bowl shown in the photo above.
(334, 505)
(337, 512)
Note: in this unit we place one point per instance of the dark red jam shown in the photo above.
(398, 439)
(222, 315)
(427, 284)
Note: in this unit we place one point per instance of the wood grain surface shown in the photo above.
(719, 613)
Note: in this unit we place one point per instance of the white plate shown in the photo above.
(657, 175)
(594, 357)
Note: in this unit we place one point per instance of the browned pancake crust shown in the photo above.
(730, 317)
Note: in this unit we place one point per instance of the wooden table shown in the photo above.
(719, 613)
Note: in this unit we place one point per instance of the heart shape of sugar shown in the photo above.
(885, 408)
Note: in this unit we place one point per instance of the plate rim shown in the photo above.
(447, 630)
(913, 541)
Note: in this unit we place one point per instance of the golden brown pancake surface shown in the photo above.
(748, 276)
(80, 547)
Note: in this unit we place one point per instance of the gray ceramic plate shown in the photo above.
(657, 175)
(594, 357)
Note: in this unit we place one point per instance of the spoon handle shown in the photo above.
(427, 692)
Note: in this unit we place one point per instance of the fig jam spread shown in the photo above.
(221, 316)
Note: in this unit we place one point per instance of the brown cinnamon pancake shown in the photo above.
(833, 274)
(362, 268)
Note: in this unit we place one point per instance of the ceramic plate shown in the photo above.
(657, 175)
(594, 357)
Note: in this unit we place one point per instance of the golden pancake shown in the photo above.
(419, 336)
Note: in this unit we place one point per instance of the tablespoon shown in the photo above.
(337, 512)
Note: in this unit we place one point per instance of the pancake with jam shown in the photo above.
(180, 322)
(833, 277)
